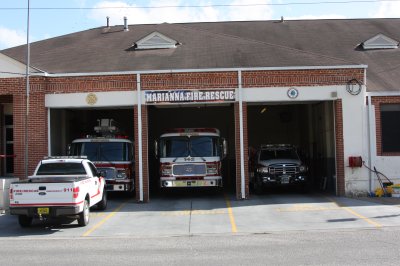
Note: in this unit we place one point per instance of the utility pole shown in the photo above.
(27, 95)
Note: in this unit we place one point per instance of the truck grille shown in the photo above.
(189, 169)
(284, 169)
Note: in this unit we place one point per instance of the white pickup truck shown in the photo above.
(61, 186)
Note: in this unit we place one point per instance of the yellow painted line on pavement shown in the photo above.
(305, 208)
(193, 212)
(231, 217)
(348, 209)
(111, 214)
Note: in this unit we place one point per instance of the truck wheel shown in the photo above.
(24, 220)
(83, 219)
(102, 205)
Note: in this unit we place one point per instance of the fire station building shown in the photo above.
(329, 87)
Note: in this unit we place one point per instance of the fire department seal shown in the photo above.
(293, 93)
(91, 99)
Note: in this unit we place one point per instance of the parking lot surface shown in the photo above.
(217, 213)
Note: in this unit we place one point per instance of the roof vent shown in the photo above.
(155, 40)
(126, 24)
(108, 21)
(380, 41)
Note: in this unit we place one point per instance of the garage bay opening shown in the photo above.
(292, 145)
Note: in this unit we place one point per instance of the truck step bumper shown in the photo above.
(191, 183)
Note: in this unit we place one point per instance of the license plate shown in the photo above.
(43, 211)
(285, 179)
(193, 183)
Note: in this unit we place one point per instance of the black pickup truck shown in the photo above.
(277, 165)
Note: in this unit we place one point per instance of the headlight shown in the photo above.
(263, 170)
(166, 170)
(121, 174)
(212, 169)
(303, 168)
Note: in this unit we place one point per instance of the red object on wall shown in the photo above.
(355, 161)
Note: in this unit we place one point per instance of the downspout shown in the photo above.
(140, 146)
(370, 143)
(242, 174)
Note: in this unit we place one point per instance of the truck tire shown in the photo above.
(83, 218)
(24, 220)
(102, 205)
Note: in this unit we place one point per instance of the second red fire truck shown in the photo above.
(111, 153)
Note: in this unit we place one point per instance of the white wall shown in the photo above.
(10, 68)
(79, 100)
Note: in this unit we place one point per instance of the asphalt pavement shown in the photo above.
(192, 214)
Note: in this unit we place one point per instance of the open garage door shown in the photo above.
(164, 118)
(309, 127)
(69, 124)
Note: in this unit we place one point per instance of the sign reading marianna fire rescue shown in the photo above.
(189, 96)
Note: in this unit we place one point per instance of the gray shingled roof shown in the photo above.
(225, 45)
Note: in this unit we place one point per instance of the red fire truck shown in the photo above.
(191, 157)
(111, 153)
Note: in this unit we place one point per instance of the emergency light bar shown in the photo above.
(276, 146)
(192, 130)
(65, 157)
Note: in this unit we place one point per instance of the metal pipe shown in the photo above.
(126, 24)
(370, 143)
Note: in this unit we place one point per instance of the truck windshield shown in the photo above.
(61, 169)
(195, 146)
(278, 154)
(103, 151)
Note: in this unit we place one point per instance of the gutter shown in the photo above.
(190, 70)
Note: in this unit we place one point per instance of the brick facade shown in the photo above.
(340, 182)
(377, 101)
(289, 78)
(145, 166)
(245, 151)
(40, 86)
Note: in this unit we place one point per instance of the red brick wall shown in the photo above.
(145, 163)
(189, 80)
(91, 84)
(378, 101)
(339, 149)
(2, 144)
(288, 78)
(237, 150)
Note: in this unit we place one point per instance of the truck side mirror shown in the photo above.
(156, 149)
(224, 148)
(69, 150)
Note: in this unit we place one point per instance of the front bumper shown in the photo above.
(217, 182)
(283, 180)
(119, 185)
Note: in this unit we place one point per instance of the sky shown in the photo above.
(51, 18)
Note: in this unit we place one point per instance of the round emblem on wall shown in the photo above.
(91, 99)
(293, 93)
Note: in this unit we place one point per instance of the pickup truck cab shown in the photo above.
(61, 186)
